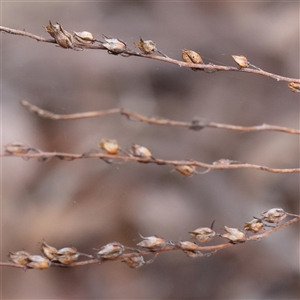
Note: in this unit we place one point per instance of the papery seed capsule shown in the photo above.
(234, 235)
(241, 60)
(152, 242)
(294, 86)
(115, 46)
(147, 47)
(67, 255)
(111, 250)
(84, 37)
(203, 234)
(191, 56)
(19, 257)
(186, 245)
(61, 36)
(110, 146)
(140, 151)
(38, 262)
(49, 251)
(134, 261)
(274, 215)
(255, 225)
(193, 253)
(17, 148)
(187, 170)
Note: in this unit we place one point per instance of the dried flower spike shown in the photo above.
(110, 146)
(111, 250)
(62, 37)
(274, 215)
(294, 86)
(203, 234)
(255, 225)
(147, 47)
(19, 257)
(113, 45)
(152, 242)
(84, 37)
(187, 170)
(17, 148)
(49, 251)
(234, 235)
(241, 60)
(134, 261)
(140, 151)
(38, 262)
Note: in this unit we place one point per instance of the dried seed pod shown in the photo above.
(84, 37)
(147, 47)
(67, 255)
(152, 242)
(62, 37)
(17, 148)
(113, 45)
(234, 235)
(49, 251)
(140, 151)
(19, 257)
(191, 56)
(255, 225)
(274, 215)
(186, 245)
(241, 60)
(110, 146)
(203, 234)
(294, 86)
(187, 170)
(134, 261)
(111, 250)
(193, 253)
(38, 262)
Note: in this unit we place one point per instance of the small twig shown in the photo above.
(196, 124)
(210, 68)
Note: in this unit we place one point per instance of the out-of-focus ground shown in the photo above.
(88, 203)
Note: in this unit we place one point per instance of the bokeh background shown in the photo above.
(88, 203)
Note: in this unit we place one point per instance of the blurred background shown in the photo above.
(88, 203)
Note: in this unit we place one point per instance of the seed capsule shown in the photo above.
(49, 251)
(19, 257)
(255, 225)
(17, 148)
(241, 60)
(67, 255)
(191, 56)
(38, 262)
(203, 234)
(294, 86)
(140, 151)
(187, 170)
(84, 37)
(134, 261)
(152, 242)
(110, 146)
(147, 47)
(274, 215)
(113, 45)
(62, 37)
(234, 235)
(111, 250)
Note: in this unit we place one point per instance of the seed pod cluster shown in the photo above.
(29, 261)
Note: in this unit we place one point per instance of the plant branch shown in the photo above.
(209, 68)
(196, 124)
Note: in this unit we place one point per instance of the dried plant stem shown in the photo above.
(196, 124)
(206, 67)
(228, 164)
(171, 246)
